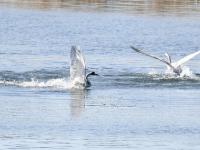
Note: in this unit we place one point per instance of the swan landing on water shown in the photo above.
(175, 67)
(78, 76)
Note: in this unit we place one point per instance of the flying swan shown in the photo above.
(175, 67)
(78, 75)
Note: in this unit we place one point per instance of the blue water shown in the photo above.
(131, 105)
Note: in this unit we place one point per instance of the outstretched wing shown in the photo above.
(141, 52)
(185, 59)
(77, 66)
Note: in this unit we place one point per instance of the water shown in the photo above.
(131, 105)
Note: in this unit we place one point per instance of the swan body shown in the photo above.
(78, 75)
(175, 67)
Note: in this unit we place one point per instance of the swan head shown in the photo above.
(92, 74)
(88, 83)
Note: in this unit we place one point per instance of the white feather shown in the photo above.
(185, 59)
(77, 66)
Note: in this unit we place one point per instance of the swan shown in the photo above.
(175, 67)
(78, 76)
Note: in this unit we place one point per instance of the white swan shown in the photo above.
(176, 67)
(78, 75)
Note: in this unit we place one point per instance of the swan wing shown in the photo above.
(185, 59)
(77, 66)
(161, 60)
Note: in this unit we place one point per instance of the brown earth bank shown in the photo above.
(136, 6)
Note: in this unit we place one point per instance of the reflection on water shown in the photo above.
(132, 6)
(77, 105)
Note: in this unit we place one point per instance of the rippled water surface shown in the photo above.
(133, 104)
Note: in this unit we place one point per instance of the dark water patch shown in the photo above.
(148, 81)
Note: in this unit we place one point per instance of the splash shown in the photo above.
(169, 74)
(52, 83)
(77, 83)
(55, 79)
(152, 72)
(60, 83)
(186, 73)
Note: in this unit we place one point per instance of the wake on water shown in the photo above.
(169, 74)
(34, 83)
(58, 80)
(62, 83)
